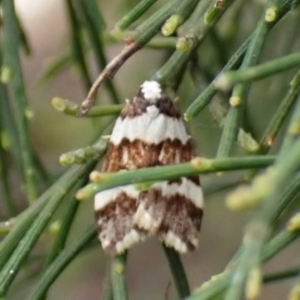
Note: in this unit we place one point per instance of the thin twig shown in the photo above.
(109, 71)
(197, 166)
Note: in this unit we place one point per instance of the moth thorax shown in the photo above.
(151, 91)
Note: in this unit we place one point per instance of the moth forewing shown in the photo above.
(149, 132)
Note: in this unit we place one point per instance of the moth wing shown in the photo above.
(114, 210)
(183, 215)
(173, 211)
(149, 132)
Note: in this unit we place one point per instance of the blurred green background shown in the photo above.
(148, 277)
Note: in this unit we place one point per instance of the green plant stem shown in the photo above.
(14, 263)
(271, 187)
(214, 12)
(224, 184)
(23, 38)
(25, 219)
(84, 155)
(43, 174)
(145, 31)
(281, 113)
(171, 72)
(218, 284)
(94, 11)
(10, 130)
(6, 226)
(240, 91)
(12, 62)
(140, 37)
(118, 280)
(197, 166)
(230, 131)
(11, 134)
(64, 228)
(71, 109)
(178, 272)
(293, 132)
(66, 223)
(54, 66)
(285, 274)
(64, 60)
(95, 30)
(290, 39)
(205, 97)
(61, 262)
(278, 119)
(107, 293)
(294, 293)
(157, 42)
(289, 194)
(292, 135)
(277, 243)
(134, 14)
(219, 46)
(270, 68)
(77, 48)
(197, 14)
(8, 201)
(162, 42)
(295, 4)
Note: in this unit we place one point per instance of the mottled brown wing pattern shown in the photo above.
(149, 132)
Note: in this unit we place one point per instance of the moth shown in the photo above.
(149, 132)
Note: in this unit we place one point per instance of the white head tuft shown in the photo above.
(151, 90)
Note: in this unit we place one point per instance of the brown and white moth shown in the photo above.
(149, 132)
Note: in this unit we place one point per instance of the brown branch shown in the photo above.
(109, 71)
